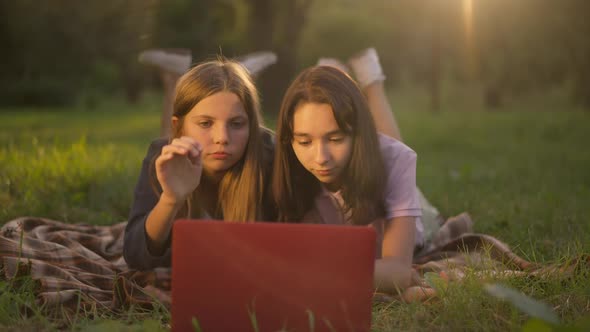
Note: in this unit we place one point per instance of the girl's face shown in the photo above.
(220, 124)
(320, 145)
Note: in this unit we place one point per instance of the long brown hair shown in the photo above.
(240, 191)
(294, 188)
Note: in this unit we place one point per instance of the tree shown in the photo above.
(276, 26)
(54, 50)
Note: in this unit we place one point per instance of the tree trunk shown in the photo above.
(277, 26)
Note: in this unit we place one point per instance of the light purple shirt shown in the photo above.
(400, 199)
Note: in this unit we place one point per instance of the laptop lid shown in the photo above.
(271, 276)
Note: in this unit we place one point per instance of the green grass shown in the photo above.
(523, 175)
(72, 164)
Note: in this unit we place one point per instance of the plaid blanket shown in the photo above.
(78, 264)
(82, 265)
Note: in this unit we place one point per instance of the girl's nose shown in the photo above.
(322, 155)
(221, 135)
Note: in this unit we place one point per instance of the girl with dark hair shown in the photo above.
(331, 166)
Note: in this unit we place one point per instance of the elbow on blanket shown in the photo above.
(135, 250)
(136, 261)
(131, 257)
(135, 254)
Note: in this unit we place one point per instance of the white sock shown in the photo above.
(173, 62)
(366, 67)
(257, 61)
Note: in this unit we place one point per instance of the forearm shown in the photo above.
(159, 222)
(381, 110)
(392, 274)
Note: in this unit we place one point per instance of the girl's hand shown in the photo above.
(179, 168)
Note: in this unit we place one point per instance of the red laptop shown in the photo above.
(271, 277)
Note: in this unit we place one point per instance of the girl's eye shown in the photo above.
(237, 124)
(303, 143)
(337, 139)
(205, 124)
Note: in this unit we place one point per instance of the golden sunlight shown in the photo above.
(470, 61)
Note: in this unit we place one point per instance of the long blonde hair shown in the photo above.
(241, 189)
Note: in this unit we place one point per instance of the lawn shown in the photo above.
(523, 175)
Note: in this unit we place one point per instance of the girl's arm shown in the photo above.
(178, 169)
(393, 272)
(145, 198)
(158, 224)
(402, 208)
(146, 243)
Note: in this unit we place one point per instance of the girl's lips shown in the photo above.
(323, 171)
(220, 155)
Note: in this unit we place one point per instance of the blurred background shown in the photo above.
(493, 95)
(437, 54)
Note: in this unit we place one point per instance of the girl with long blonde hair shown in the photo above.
(213, 166)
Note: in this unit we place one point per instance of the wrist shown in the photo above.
(171, 200)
